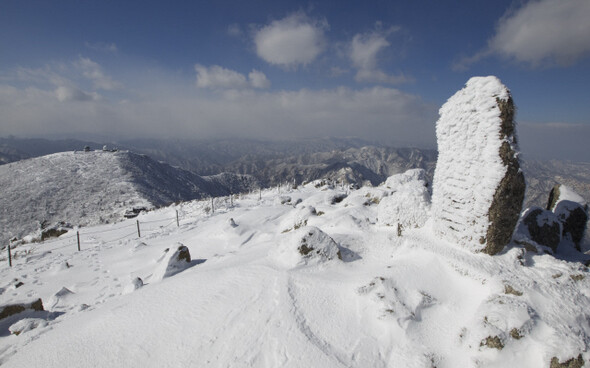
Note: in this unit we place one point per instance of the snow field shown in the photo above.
(250, 299)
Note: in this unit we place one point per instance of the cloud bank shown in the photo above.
(223, 103)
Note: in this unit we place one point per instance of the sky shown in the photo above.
(377, 69)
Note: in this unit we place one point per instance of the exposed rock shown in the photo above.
(574, 218)
(478, 185)
(543, 227)
(172, 262)
(408, 203)
(570, 363)
(11, 309)
(307, 245)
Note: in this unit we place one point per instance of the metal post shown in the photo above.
(177, 222)
(212, 206)
(9, 256)
(138, 232)
(78, 235)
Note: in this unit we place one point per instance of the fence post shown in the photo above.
(177, 222)
(138, 232)
(260, 193)
(78, 235)
(231, 200)
(212, 206)
(9, 256)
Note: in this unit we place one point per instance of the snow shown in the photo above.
(249, 298)
(408, 200)
(469, 168)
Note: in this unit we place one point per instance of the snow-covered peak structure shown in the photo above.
(478, 186)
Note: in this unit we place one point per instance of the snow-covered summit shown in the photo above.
(84, 188)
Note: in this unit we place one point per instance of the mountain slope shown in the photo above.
(254, 296)
(83, 188)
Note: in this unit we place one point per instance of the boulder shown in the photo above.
(542, 226)
(305, 246)
(478, 187)
(173, 261)
(574, 218)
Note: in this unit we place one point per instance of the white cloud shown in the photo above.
(364, 51)
(217, 77)
(258, 79)
(93, 71)
(292, 41)
(541, 33)
(65, 93)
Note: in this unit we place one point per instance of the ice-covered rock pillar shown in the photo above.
(478, 187)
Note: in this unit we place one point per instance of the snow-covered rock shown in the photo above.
(541, 226)
(305, 246)
(561, 192)
(174, 260)
(408, 202)
(135, 284)
(478, 187)
(574, 218)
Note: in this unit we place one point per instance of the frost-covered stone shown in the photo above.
(174, 260)
(408, 202)
(478, 186)
(574, 218)
(542, 227)
(307, 245)
(561, 192)
(135, 284)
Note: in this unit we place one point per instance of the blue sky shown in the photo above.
(265, 69)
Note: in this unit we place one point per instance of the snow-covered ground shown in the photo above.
(251, 298)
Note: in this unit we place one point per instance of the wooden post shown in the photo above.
(9, 256)
(78, 235)
(138, 232)
(177, 222)
(399, 229)
(212, 206)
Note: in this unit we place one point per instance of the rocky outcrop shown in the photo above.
(574, 218)
(543, 227)
(478, 186)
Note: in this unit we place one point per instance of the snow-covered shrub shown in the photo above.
(408, 203)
